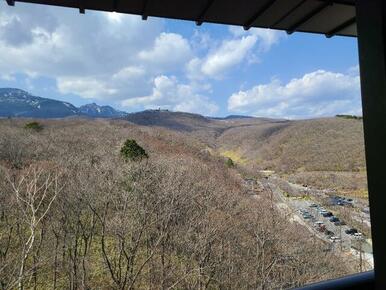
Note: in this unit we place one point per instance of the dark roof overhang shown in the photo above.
(329, 17)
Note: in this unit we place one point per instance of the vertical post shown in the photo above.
(360, 255)
(340, 238)
(371, 26)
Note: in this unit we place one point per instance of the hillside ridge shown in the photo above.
(19, 103)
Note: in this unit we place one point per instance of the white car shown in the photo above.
(358, 235)
(334, 239)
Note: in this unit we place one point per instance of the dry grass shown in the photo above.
(236, 156)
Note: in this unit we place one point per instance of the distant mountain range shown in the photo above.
(279, 144)
(231, 117)
(19, 103)
(94, 110)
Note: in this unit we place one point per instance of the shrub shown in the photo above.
(35, 126)
(230, 163)
(132, 151)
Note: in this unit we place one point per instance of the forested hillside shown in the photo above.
(75, 215)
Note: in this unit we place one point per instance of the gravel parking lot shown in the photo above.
(312, 218)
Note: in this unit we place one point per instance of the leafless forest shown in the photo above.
(75, 215)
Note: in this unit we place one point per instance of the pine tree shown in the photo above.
(132, 151)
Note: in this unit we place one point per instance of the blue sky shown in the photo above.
(215, 70)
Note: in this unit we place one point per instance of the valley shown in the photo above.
(304, 163)
(182, 214)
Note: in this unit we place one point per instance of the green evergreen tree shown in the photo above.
(35, 126)
(132, 151)
(230, 163)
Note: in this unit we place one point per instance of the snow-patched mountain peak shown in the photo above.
(18, 103)
(95, 110)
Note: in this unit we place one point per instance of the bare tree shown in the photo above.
(35, 189)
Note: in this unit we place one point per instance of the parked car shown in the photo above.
(313, 205)
(351, 231)
(358, 235)
(327, 214)
(333, 219)
(329, 233)
(334, 239)
(307, 216)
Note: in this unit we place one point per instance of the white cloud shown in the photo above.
(129, 72)
(85, 87)
(170, 50)
(354, 70)
(7, 77)
(114, 57)
(229, 54)
(105, 56)
(59, 43)
(319, 93)
(115, 17)
(243, 46)
(128, 82)
(266, 37)
(168, 93)
(201, 41)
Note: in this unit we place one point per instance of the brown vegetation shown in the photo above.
(317, 145)
(329, 144)
(74, 215)
(347, 183)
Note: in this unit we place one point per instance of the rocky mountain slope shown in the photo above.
(19, 103)
(94, 110)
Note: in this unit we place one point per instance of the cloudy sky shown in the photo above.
(214, 70)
